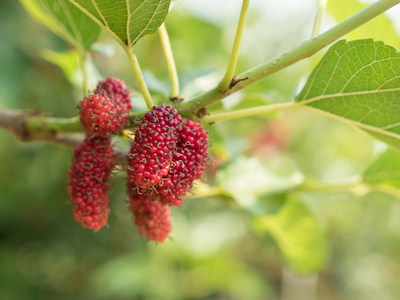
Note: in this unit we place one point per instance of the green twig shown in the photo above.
(139, 76)
(45, 126)
(33, 124)
(228, 77)
(169, 59)
(304, 50)
(318, 18)
(247, 112)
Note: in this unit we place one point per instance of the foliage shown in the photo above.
(313, 190)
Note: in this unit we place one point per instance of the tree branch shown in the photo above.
(33, 125)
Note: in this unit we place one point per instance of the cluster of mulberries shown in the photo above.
(101, 114)
(166, 158)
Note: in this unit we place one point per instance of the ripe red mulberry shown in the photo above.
(99, 116)
(188, 164)
(92, 163)
(155, 143)
(118, 93)
(151, 217)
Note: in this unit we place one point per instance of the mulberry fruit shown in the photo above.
(92, 163)
(188, 163)
(99, 116)
(119, 95)
(151, 217)
(155, 143)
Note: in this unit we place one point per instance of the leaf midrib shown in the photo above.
(353, 123)
(342, 95)
(97, 21)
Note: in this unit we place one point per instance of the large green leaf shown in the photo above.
(126, 20)
(299, 235)
(358, 82)
(65, 20)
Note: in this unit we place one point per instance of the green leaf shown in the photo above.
(255, 187)
(128, 20)
(358, 82)
(380, 27)
(65, 20)
(68, 62)
(299, 236)
(384, 170)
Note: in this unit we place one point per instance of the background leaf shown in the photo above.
(65, 20)
(299, 236)
(128, 20)
(358, 82)
(255, 187)
(380, 27)
(385, 169)
(68, 62)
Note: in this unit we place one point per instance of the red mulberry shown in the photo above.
(92, 163)
(155, 142)
(152, 218)
(118, 93)
(99, 116)
(188, 163)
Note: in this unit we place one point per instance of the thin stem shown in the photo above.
(304, 50)
(169, 59)
(82, 63)
(247, 112)
(227, 79)
(139, 76)
(318, 18)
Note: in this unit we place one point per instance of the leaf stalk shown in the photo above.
(228, 77)
(169, 59)
(139, 76)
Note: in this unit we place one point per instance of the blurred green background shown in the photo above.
(218, 249)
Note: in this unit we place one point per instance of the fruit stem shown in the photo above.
(303, 51)
(139, 76)
(318, 18)
(247, 112)
(82, 65)
(228, 77)
(169, 59)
